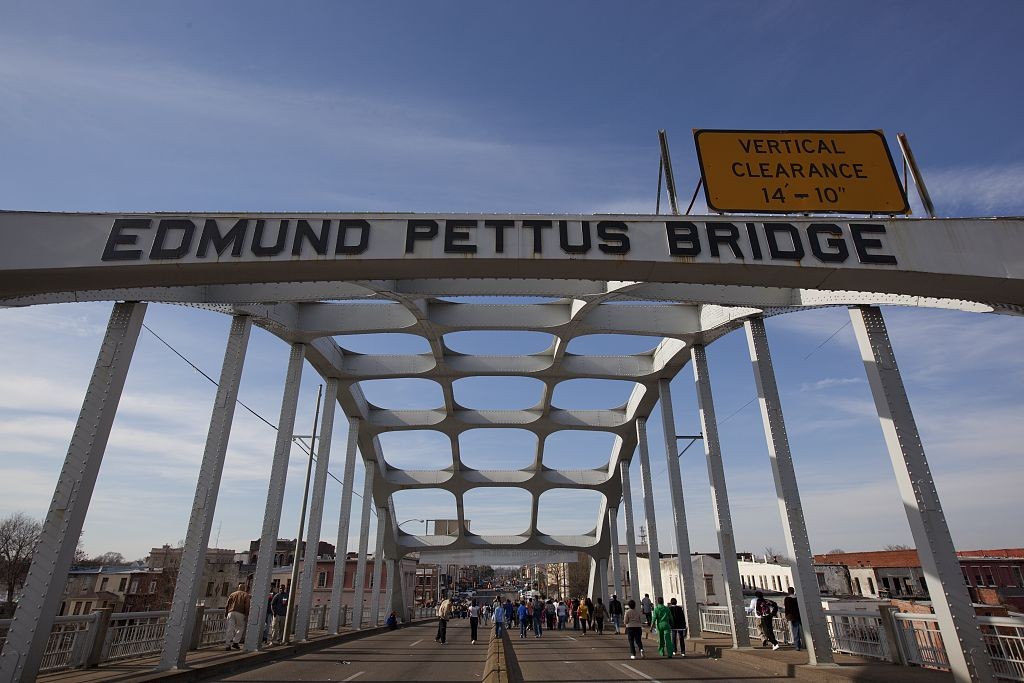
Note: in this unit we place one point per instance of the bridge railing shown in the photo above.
(918, 641)
(69, 644)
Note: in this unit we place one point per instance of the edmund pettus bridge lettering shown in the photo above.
(169, 239)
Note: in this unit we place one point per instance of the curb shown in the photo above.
(501, 665)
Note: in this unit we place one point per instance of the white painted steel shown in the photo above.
(615, 559)
(957, 619)
(627, 506)
(719, 495)
(43, 589)
(359, 585)
(275, 499)
(178, 635)
(316, 511)
(378, 567)
(679, 527)
(344, 517)
(798, 545)
(649, 515)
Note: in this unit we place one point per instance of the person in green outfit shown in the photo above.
(663, 622)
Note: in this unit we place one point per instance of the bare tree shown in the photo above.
(898, 546)
(19, 534)
(836, 551)
(775, 556)
(578, 576)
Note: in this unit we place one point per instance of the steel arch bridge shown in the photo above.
(308, 278)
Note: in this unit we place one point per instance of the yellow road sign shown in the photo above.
(798, 171)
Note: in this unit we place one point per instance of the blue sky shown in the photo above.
(501, 107)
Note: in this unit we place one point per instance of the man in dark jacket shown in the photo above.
(279, 608)
(678, 628)
(791, 608)
(615, 612)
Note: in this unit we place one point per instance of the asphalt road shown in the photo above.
(408, 654)
(571, 656)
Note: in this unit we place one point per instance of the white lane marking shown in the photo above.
(639, 673)
(354, 676)
(416, 643)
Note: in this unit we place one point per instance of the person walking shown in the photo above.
(523, 613)
(766, 611)
(237, 611)
(678, 628)
(633, 621)
(499, 619)
(474, 620)
(444, 613)
(552, 613)
(662, 619)
(600, 614)
(615, 612)
(563, 614)
(590, 611)
(279, 607)
(791, 609)
(574, 611)
(647, 607)
(584, 615)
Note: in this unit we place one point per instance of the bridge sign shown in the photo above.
(799, 171)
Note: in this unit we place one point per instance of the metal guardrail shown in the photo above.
(135, 634)
(917, 637)
(69, 643)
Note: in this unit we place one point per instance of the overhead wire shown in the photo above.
(301, 444)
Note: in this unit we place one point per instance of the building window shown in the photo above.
(924, 586)
(87, 608)
(967, 577)
(152, 586)
(988, 575)
(321, 580)
(1019, 575)
(224, 588)
(871, 585)
(709, 584)
(123, 583)
(856, 586)
(78, 609)
(103, 583)
(209, 589)
(822, 586)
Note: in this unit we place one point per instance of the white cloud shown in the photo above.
(830, 382)
(986, 190)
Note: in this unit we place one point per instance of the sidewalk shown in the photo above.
(204, 663)
(786, 662)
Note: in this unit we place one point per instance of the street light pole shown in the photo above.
(289, 618)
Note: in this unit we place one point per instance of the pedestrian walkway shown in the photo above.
(571, 656)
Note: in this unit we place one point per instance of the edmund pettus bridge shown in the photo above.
(310, 279)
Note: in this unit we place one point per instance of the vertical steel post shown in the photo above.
(316, 512)
(652, 524)
(602, 580)
(614, 557)
(275, 500)
(43, 589)
(180, 622)
(627, 506)
(378, 567)
(719, 498)
(359, 586)
(958, 623)
(344, 517)
(819, 646)
(389, 594)
(592, 579)
(675, 487)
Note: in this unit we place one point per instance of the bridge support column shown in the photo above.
(720, 498)
(344, 518)
(47, 575)
(819, 647)
(958, 624)
(652, 523)
(359, 586)
(613, 557)
(627, 506)
(378, 567)
(675, 487)
(602, 581)
(180, 623)
(275, 499)
(316, 512)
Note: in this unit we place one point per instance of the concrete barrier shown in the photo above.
(501, 665)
